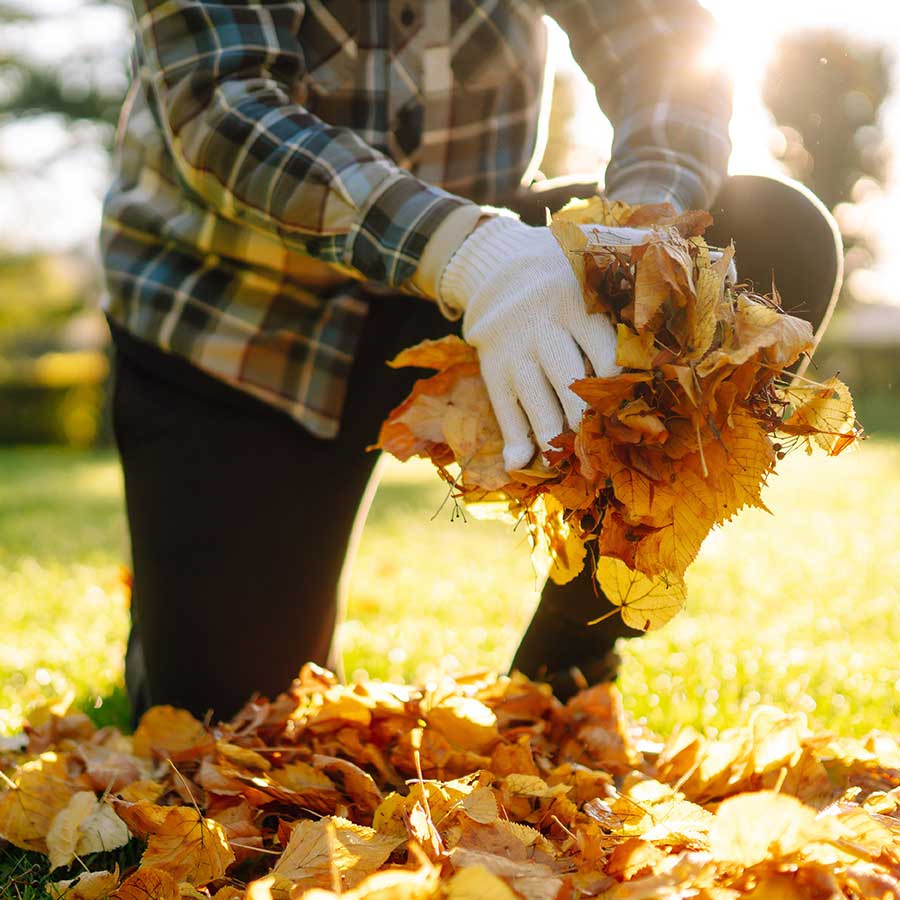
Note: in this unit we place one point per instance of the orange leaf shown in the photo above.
(148, 884)
(180, 841)
(605, 394)
(437, 354)
(169, 733)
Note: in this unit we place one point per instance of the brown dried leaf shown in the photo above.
(664, 273)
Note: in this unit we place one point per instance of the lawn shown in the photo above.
(798, 609)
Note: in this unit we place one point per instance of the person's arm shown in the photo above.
(227, 80)
(668, 105)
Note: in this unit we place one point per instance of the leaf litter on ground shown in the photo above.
(483, 787)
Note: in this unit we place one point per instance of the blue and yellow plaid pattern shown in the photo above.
(276, 156)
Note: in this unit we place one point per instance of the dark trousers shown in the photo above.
(241, 522)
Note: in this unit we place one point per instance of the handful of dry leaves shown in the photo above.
(677, 443)
(486, 787)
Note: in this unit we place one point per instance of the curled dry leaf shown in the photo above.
(86, 825)
(680, 441)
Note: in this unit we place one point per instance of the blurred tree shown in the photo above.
(62, 77)
(825, 91)
(31, 81)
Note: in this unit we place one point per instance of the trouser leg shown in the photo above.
(240, 520)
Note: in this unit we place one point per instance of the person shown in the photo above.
(303, 189)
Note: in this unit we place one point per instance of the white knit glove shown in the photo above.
(524, 312)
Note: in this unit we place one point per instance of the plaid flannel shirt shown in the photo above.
(274, 155)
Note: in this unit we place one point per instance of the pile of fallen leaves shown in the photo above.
(486, 788)
(677, 443)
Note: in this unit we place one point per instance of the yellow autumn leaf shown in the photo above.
(40, 789)
(533, 786)
(169, 733)
(243, 756)
(477, 883)
(595, 211)
(87, 886)
(673, 547)
(634, 351)
(557, 550)
(355, 782)
(473, 434)
(301, 777)
(752, 827)
(389, 884)
(778, 886)
(702, 313)
(319, 851)
(145, 789)
(678, 823)
(481, 806)
(823, 412)
(761, 329)
(645, 603)
(464, 721)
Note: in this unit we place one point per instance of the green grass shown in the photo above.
(798, 609)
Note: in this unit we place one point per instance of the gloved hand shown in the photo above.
(523, 311)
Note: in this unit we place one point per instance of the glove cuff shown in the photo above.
(488, 248)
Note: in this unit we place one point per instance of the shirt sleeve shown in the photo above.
(226, 81)
(668, 104)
